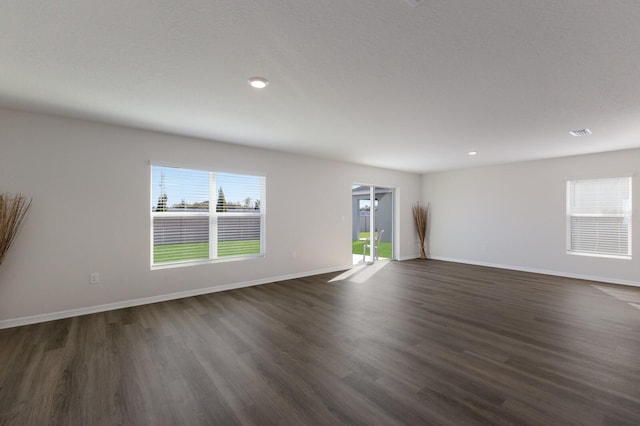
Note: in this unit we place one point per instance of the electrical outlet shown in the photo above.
(94, 278)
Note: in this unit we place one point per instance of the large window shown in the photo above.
(200, 215)
(599, 217)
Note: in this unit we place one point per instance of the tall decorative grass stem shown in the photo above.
(420, 218)
(13, 209)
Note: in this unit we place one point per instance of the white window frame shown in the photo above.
(213, 216)
(624, 212)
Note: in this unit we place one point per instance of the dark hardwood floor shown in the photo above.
(416, 342)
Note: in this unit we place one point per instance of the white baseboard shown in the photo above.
(33, 319)
(540, 271)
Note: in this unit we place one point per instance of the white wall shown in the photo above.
(90, 213)
(513, 215)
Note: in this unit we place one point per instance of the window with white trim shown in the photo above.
(599, 217)
(200, 215)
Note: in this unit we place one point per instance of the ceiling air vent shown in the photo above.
(582, 132)
(414, 3)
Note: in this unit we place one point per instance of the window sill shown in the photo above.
(606, 256)
(182, 264)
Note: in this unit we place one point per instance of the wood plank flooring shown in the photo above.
(415, 342)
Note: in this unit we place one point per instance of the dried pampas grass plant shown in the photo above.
(420, 217)
(13, 209)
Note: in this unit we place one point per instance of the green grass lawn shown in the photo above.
(385, 249)
(195, 251)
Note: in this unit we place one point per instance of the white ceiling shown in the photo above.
(376, 82)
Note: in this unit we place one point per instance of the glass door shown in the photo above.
(372, 235)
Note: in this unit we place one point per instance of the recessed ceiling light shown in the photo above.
(581, 132)
(258, 82)
(472, 153)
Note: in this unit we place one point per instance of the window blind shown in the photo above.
(599, 216)
(240, 217)
(199, 215)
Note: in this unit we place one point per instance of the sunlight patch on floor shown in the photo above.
(631, 296)
(362, 272)
(346, 274)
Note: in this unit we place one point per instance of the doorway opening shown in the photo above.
(372, 230)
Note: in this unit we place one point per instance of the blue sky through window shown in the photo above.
(192, 186)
